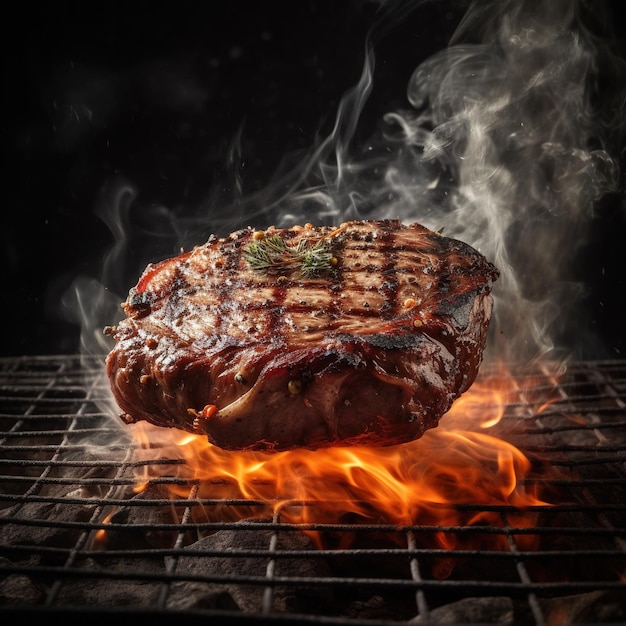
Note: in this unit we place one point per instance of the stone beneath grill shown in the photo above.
(596, 607)
(489, 610)
(54, 533)
(141, 524)
(591, 608)
(19, 589)
(103, 583)
(249, 597)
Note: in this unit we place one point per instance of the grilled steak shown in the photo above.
(309, 337)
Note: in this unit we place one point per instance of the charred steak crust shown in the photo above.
(370, 349)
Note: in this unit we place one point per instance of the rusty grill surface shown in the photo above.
(67, 471)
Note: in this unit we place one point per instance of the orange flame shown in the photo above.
(456, 474)
(100, 537)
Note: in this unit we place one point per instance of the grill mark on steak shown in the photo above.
(277, 313)
(389, 272)
(373, 351)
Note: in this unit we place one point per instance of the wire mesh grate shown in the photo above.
(81, 532)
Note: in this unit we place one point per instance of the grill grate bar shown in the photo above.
(84, 537)
(411, 552)
(420, 597)
(583, 506)
(479, 587)
(598, 532)
(172, 559)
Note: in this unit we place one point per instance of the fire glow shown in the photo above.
(457, 474)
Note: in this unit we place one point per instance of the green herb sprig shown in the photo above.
(270, 253)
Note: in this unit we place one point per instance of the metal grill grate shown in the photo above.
(67, 471)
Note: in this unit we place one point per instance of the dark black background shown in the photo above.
(156, 93)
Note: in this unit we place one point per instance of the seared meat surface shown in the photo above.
(362, 334)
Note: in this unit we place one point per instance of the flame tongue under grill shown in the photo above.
(77, 534)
